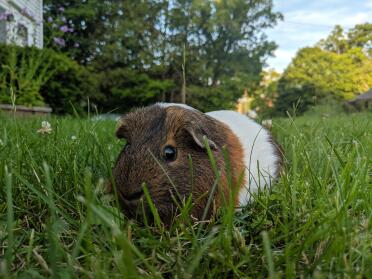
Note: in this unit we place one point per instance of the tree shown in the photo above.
(80, 28)
(316, 74)
(340, 41)
(336, 41)
(224, 42)
(147, 42)
(361, 36)
(339, 67)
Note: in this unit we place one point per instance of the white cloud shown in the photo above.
(281, 59)
(305, 23)
(368, 4)
(288, 33)
(327, 18)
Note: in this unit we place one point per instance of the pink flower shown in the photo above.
(59, 41)
(64, 28)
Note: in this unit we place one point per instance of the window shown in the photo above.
(22, 35)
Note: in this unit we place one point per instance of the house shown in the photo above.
(359, 103)
(244, 103)
(21, 22)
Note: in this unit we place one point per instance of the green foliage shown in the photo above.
(220, 36)
(143, 43)
(339, 68)
(336, 42)
(22, 74)
(315, 74)
(71, 86)
(212, 98)
(314, 222)
(295, 100)
(39, 77)
(223, 52)
(361, 36)
(88, 24)
(126, 88)
(328, 107)
(358, 37)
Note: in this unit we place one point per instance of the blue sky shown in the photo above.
(306, 22)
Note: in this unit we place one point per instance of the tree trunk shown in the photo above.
(183, 90)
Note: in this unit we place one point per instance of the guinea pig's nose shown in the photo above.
(133, 196)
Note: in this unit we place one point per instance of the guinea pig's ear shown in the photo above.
(121, 129)
(199, 137)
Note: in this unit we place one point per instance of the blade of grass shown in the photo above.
(10, 221)
(153, 209)
(268, 254)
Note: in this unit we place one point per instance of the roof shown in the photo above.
(364, 96)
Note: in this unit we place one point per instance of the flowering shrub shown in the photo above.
(57, 28)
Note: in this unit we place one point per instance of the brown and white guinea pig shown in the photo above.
(162, 137)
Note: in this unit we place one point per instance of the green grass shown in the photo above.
(56, 221)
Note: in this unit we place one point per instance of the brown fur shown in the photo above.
(279, 154)
(148, 131)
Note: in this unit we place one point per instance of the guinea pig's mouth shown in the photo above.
(133, 196)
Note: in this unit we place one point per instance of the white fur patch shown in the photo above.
(260, 158)
(166, 105)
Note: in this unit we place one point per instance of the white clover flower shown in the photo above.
(73, 138)
(46, 128)
(46, 125)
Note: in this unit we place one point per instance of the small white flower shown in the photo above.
(73, 137)
(46, 128)
(45, 125)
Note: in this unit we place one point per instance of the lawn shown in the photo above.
(56, 220)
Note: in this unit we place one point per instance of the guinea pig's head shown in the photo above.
(160, 144)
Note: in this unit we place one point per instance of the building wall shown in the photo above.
(2, 27)
(25, 27)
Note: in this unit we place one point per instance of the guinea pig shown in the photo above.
(162, 138)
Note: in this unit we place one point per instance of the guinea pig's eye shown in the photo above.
(170, 153)
(127, 145)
